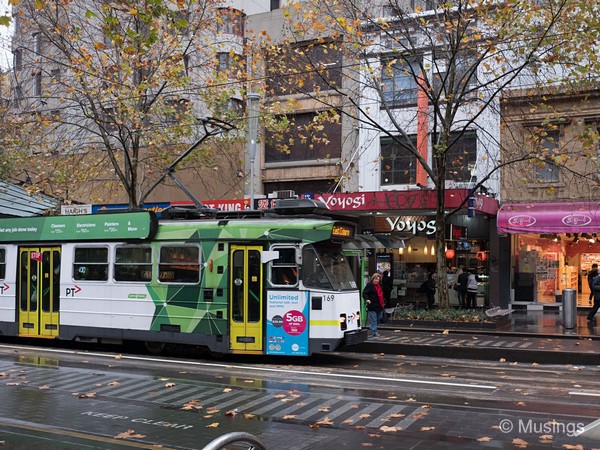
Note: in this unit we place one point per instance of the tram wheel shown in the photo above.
(155, 347)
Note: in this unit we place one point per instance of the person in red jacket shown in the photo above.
(373, 296)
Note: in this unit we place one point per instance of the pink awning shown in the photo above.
(576, 217)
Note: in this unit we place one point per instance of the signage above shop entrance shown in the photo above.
(418, 225)
(574, 217)
(413, 225)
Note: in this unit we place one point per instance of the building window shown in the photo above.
(461, 156)
(90, 264)
(432, 4)
(274, 4)
(546, 171)
(235, 105)
(179, 264)
(18, 59)
(284, 270)
(107, 120)
(597, 129)
(19, 95)
(224, 61)
(301, 188)
(37, 84)
(179, 22)
(176, 110)
(186, 64)
(465, 76)
(398, 164)
(55, 74)
(310, 67)
(306, 138)
(399, 81)
(230, 21)
(37, 43)
(232, 106)
(133, 263)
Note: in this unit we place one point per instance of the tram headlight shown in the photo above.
(343, 320)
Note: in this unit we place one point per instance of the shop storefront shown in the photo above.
(466, 247)
(553, 246)
(398, 233)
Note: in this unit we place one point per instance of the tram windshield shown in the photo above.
(326, 268)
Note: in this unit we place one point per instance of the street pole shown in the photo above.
(252, 108)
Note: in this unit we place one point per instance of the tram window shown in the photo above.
(179, 264)
(2, 263)
(284, 271)
(133, 263)
(90, 264)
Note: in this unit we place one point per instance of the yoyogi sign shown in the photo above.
(410, 225)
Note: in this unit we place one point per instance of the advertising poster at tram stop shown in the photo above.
(287, 323)
(384, 262)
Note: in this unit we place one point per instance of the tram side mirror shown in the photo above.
(269, 255)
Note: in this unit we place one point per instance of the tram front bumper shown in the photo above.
(356, 337)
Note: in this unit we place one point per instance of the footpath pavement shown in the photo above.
(532, 336)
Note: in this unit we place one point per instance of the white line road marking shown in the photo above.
(591, 394)
(264, 369)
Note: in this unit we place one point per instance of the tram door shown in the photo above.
(245, 299)
(38, 291)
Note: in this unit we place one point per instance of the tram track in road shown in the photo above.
(431, 380)
(425, 372)
(337, 396)
(304, 407)
(22, 434)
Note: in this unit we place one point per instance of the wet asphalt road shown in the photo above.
(75, 399)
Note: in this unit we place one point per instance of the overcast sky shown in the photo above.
(5, 56)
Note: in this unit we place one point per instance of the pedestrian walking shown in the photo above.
(596, 291)
(373, 296)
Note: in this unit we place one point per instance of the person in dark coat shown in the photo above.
(462, 282)
(373, 296)
(387, 285)
(595, 287)
(429, 287)
(590, 276)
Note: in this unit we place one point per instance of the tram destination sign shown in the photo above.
(126, 226)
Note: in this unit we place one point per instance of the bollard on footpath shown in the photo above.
(569, 308)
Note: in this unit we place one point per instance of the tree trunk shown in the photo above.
(440, 244)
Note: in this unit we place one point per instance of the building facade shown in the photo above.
(124, 119)
(549, 217)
